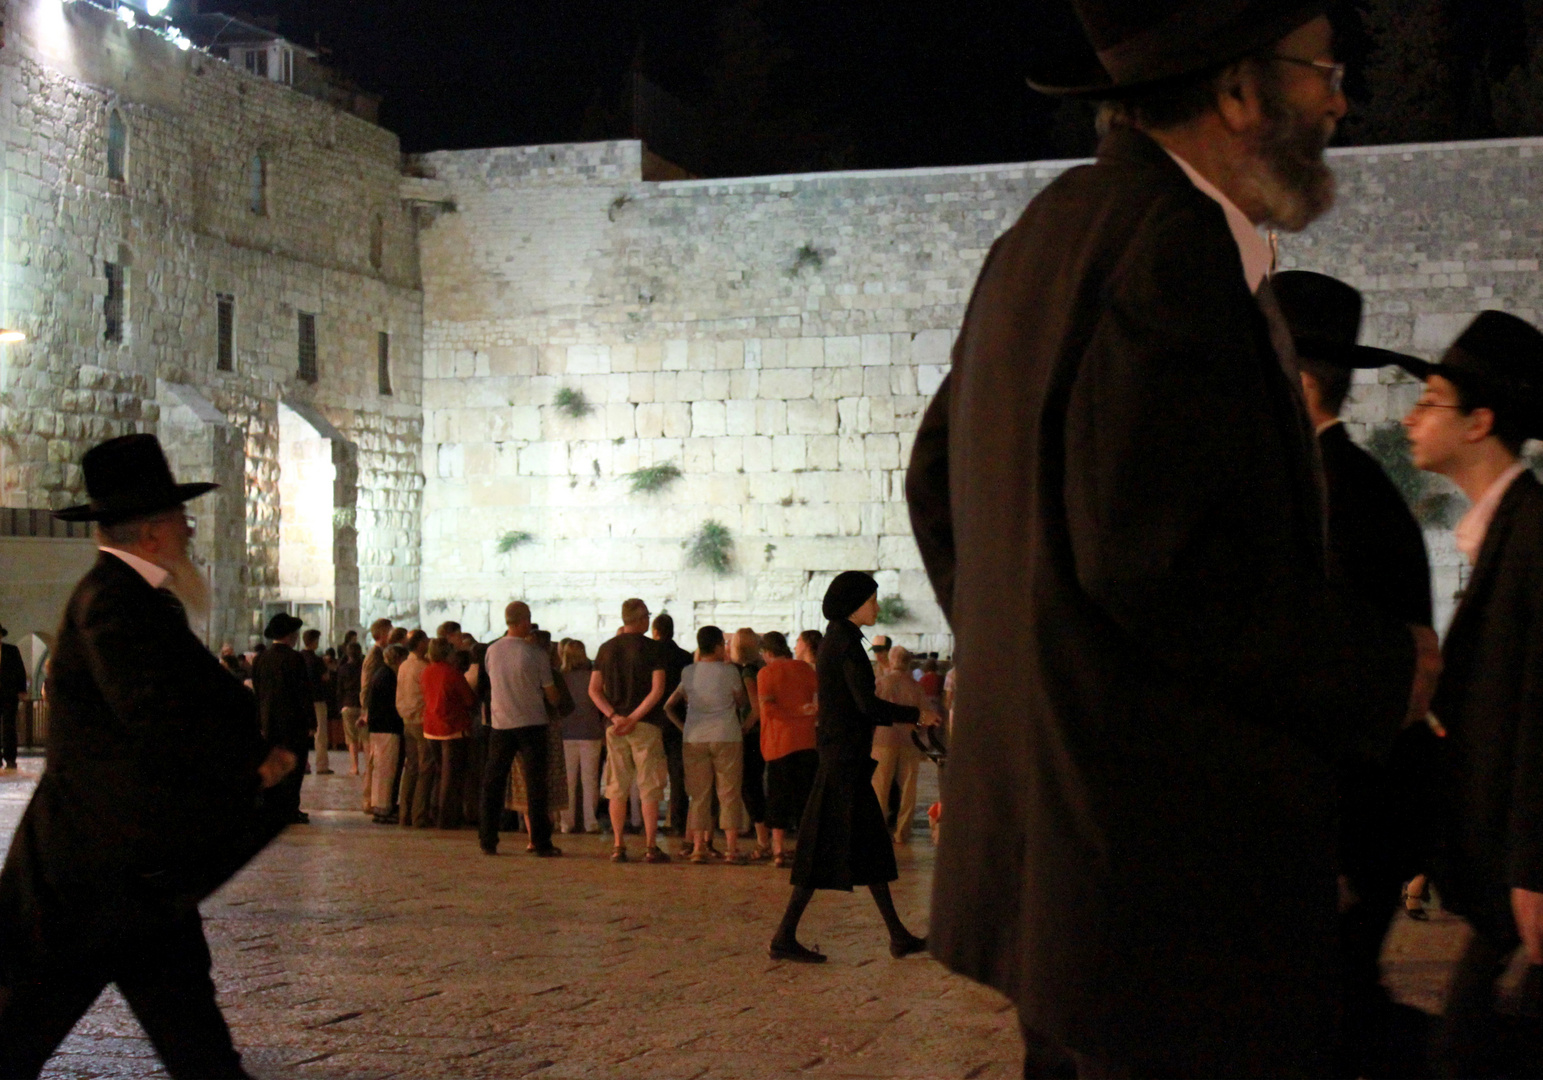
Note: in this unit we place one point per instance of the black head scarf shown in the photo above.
(847, 593)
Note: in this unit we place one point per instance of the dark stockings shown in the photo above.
(787, 932)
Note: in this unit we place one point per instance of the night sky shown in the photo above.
(788, 85)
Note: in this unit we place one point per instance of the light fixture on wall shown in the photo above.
(12, 337)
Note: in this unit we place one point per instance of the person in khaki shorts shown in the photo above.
(627, 686)
(714, 694)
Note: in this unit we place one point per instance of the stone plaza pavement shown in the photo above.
(354, 950)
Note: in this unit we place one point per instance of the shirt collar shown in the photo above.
(1258, 257)
(156, 576)
(1475, 524)
(1327, 424)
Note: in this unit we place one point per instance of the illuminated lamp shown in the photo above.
(12, 337)
(126, 16)
(155, 7)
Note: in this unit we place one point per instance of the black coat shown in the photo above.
(842, 839)
(380, 702)
(1490, 699)
(1377, 551)
(1115, 497)
(282, 683)
(13, 676)
(149, 797)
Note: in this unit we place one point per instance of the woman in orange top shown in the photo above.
(447, 706)
(787, 689)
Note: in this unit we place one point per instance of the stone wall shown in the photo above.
(330, 235)
(776, 339)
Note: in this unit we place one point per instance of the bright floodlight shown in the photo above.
(126, 16)
(11, 337)
(181, 41)
(155, 7)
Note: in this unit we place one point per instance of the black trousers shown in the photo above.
(162, 970)
(530, 744)
(8, 710)
(753, 786)
(675, 758)
(282, 800)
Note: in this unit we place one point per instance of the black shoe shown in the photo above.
(489, 850)
(548, 852)
(300, 818)
(907, 946)
(794, 953)
(384, 819)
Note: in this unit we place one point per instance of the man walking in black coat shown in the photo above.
(148, 801)
(283, 688)
(13, 687)
(1481, 402)
(1377, 551)
(1116, 496)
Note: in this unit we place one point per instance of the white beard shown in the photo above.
(190, 586)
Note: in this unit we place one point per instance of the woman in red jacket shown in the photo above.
(447, 706)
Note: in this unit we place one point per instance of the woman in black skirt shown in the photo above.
(842, 840)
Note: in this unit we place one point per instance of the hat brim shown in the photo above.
(1356, 357)
(109, 515)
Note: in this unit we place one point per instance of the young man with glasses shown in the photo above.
(1482, 401)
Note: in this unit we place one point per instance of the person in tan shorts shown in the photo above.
(713, 694)
(627, 686)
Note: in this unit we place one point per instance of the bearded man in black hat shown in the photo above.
(1482, 401)
(1377, 551)
(1116, 493)
(13, 687)
(148, 802)
(283, 685)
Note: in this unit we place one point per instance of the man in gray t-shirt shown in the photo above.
(520, 674)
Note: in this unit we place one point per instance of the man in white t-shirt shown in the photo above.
(520, 674)
(714, 693)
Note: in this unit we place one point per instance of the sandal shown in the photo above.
(618, 854)
(700, 857)
(760, 853)
(1414, 906)
(654, 855)
(734, 858)
(782, 860)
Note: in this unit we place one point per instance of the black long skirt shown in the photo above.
(842, 840)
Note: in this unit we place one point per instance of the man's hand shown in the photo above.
(623, 725)
(279, 764)
(1427, 669)
(930, 718)
(1527, 907)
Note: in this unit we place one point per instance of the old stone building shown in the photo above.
(432, 385)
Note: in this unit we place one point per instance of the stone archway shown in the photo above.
(318, 535)
(202, 444)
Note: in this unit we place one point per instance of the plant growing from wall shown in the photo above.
(807, 257)
(572, 403)
(516, 539)
(711, 548)
(892, 610)
(654, 478)
(771, 550)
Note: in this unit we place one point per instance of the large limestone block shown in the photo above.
(786, 384)
(708, 419)
(739, 417)
(789, 453)
(757, 454)
(811, 417)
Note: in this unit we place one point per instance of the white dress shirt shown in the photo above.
(1475, 524)
(152, 573)
(1258, 257)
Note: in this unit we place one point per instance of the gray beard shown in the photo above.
(188, 584)
(1287, 172)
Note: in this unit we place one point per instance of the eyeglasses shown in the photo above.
(1334, 71)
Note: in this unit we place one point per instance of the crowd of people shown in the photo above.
(530, 734)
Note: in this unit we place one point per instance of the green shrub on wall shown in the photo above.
(511, 540)
(892, 610)
(653, 478)
(711, 548)
(572, 403)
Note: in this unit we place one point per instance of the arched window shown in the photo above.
(257, 180)
(117, 145)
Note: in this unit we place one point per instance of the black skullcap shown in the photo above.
(847, 593)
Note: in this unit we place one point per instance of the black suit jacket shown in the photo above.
(1375, 545)
(1115, 496)
(13, 676)
(282, 683)
(149, 795)
(1490, 699)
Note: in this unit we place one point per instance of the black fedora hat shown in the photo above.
(1324, 315)
(1141, 42)
(127, 478)
(281, 626)
(1499, 356)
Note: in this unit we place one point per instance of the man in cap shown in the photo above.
(1377, 551)
(148, 804)
(1481, 402)
(13, 688)
(1116, 496)
(283, 688)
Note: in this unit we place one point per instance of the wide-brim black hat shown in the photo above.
(1324, 315)
(281, 626)
(1500, 356)
(1138, 43)
(128, 478)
